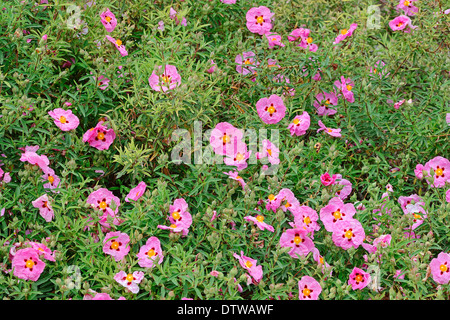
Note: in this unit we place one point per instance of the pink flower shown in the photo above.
(418, 213)
(51, 178)
(32, 157)
(102, 200)
(348, 233)
(249, 264)
(345, 33)
(27, 265)
(280, 78)
(408, 8)
(271, 110)
(359, 279)
(130, 281)
(259, 221)
(382, 241)
(447, 116)
(108, 19)
(65, 120)
(274, 40)
(401, 23)
(163, 80)
(213, 67)
(398, 104)
(418, 171)
(100, 136)
(224, 138)
(346, 190)
(300, 124)
(298, 241)
(320, 260)
(228, 1)
(161, 25)
(118, 44)
(235, 176)
(327, 180)
(150, 253)
(440, 268)
(258, 20)
(323, 101)
(377, 69)
(404, 201)
(288, 201)
(336, 211)
(309, 288)
(345, 87)
(330, 131)
(103, 82)
(42, 250)
(246, 63)
(239, 158)
(441, 168)
(136, 192)
(273, 202)
(269, 150)
(306, 218)
(116, 245)
(447, 195)
(179, 217)
(45, 209)
(299, 33)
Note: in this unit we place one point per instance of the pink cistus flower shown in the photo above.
(119, 45)
(164, 80)
(4, 177)
(250, 265)
(270, 151)
(45, 209)
(102, 200)
(103, 82)
(280, 78)
(447, 195)
(418, 213)
(213, 67)
(306, 41)
(336, 211)
(32, 157)
(228, 1)
(274, 39)
(259, 20)
(51, 179)
(346, 189)
(179, 217)
(348, 233)
(378, 69)
(345, 86)
(224, 137)
(26, 264)
(344, 33)
(298, 241)
(359, 279)
(412, 199)
(108, 19)
(130, 281)
(306, 218)
(246, 63)
(150, 253)
(332, 132)
(259, 221)
(235, 176)
(273, 202)
(447, 116)
(116, 245)
(300, 124)
(408, 8)
(136, 192)
(418, 171)
(382, 241)
(323, 101)
(271, 110)
(288, 201)
(99, 137)
(320, 260)
(398, 104)
(401, 23)
(327, 180)
(309, 288)
(240, 157)
(64, 119)
(441, 168)
(440, 268)
(42, 250)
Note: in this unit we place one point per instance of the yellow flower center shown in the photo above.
(108, 19)
(173, 226)
(118, 42)
(62, 119)
(239, 156)
(176, 215)
(226, 139)
(40, 249)
(238, 177)
(399, 24)
(271, 109)
(307, 220)
(374, 70)
(166, 79)
(271, 197)
(296, 121)
(329, 130)
(51, 179)
(309, 40)
(247, 61)
(260, 19)
(129, 277)
(406, 3)
(249, 264)
(269, 151)
(29, 264)
(416, 216)
(321, 260)
(443, 268)
(358, 277)
(115, 245)
(297, 240)
(260, 218)
(348, 234)
(306, 292)
(439, 172)
(328, 101)
(100, 136)
(344, 31)
(349, 87)
(287, 205)
(151, 253)
(337, 214)
(274, 39)
(103, 205)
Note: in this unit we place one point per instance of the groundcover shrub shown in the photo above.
(225, 149)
